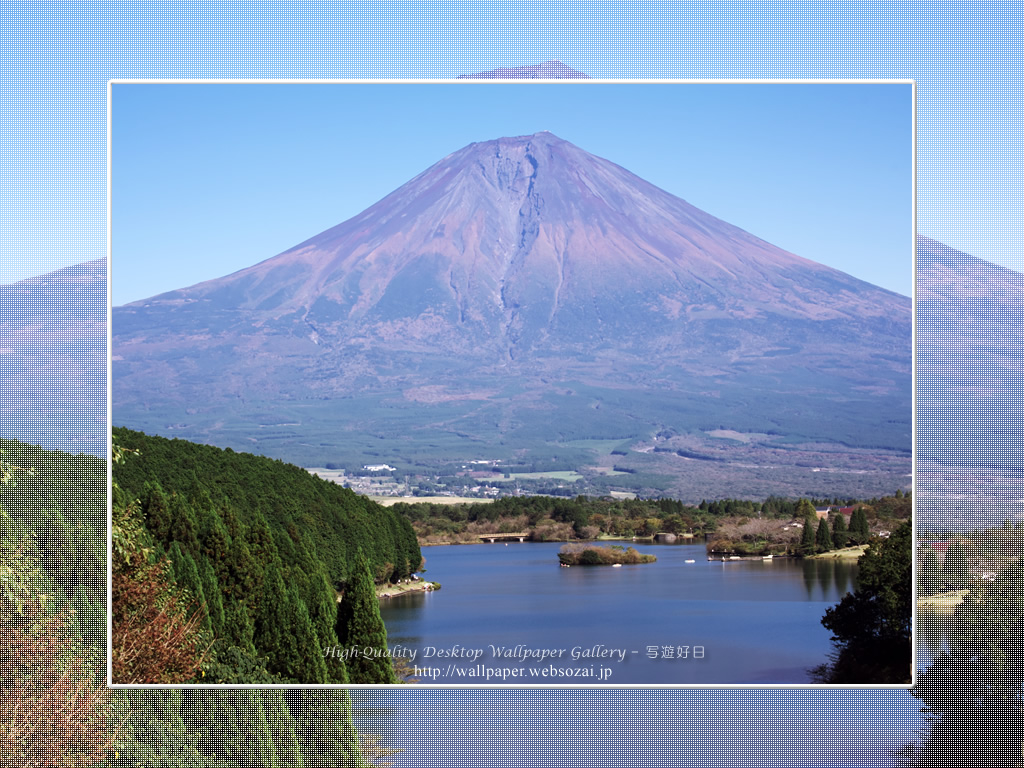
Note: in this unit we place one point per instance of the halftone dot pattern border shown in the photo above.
(58, 59)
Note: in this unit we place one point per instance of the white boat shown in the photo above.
(693, 561)
(616, 565)
(767, 557)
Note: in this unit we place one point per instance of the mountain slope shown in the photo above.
(53, 359)
(970, 343)
(546, 70)
(521, 291)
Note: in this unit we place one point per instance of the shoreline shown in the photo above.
(409, 585)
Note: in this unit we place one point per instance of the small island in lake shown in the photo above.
(594, 554)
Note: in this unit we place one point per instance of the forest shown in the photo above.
(57, 708)
(738, 526)
(271, 566)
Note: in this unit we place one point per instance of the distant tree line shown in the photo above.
(587, 517)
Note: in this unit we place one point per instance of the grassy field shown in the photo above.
(943, 599)
(846, 553)
(387, 501)
(569, 476)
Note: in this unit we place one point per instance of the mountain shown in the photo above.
(524, 298)
(53, 359)
(550, 70)
(970, 346)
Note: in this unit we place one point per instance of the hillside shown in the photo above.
(265, 546)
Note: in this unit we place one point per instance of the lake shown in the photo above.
(509, 614)
(758, 622)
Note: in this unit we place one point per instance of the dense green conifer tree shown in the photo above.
(956, 570)
(323, 726)
(931, 575)
(242, 727)
(359, 626)
(823, 539)
(859, 531)
(186, 575)
(182, 522)
(212, 595)
(871, 627)
(839, 534)
(807, 538)
(153, 732)
(156, 509)
(284, 633)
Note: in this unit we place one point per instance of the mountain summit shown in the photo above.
(550, 70)
(509, 277)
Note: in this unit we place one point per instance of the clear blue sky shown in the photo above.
(211, 178)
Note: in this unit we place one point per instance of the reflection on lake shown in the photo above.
(669, 622)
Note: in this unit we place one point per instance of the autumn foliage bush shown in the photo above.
(54, 709)
(156, 628)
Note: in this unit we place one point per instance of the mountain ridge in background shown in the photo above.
(53, 359)
(547, 70)
(524, 298)
(970, 326)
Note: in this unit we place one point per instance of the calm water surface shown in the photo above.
(669, 622)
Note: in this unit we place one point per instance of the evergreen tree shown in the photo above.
(807, 539)
(182, 522)
(152, 730)
(186, 576)
(285, 634)
(871, 627)
(805, 509)
(859, 530)
(823, 540)
(241, 727)
(212, 595)
(156, 508)
(973, 692)
(323, 727)
(931, 575)
(839, 534)
(360, 627)
(956, 570)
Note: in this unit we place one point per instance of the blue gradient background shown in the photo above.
(56, 59)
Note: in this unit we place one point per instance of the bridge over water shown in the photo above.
(493, 537)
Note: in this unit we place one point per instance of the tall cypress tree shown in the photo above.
(212, 595)
(186, 575)
(242, 728)
(839, 534)
(823, 540)
(360, 628)
(285, 634)
(931, 576)
(859, 530)
(323, 726)
(807, 539)
(956, 571)
(153, 731)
